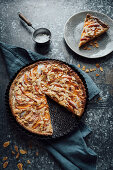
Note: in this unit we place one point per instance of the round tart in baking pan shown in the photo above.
(30, 88)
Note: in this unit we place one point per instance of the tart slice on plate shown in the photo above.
(93, 27)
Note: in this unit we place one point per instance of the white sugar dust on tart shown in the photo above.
(93, 27)
(27, 96)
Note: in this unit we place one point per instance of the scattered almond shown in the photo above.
(17, 156)
(36, 153)
(23, 151)
(20, 166)
(94, 69)
(97, 65)
(78, 65)
(13, 152)
(83, 68)
(101, 69)
(28, 161)
(91, 69)
(5, 164)
(87, 71)
(6, 144)
(16, 148)
(5, 158)
(97, 75)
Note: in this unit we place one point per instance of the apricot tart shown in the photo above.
(93, 27)
(27, 94)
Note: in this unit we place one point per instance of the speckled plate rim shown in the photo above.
(42, 137)
(65, 37)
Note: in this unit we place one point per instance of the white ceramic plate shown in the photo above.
(73, 30)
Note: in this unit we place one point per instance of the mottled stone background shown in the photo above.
(53, 15)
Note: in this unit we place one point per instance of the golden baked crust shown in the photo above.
(93, 27)
(27, 95)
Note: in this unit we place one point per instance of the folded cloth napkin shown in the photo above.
(71, 150)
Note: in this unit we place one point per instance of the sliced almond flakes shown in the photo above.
(101, 69)
(23, 151)
(5, 164)
(16, 148)
(94, 69)
(20, 166)
(6, 144)
(97, 75)
(13, 152)
(87, 71)
(5, 158)
(28, 161)
(97, 65)
(17, 156)
(78, 65)
(83, 68)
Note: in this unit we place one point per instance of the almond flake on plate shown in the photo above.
(87, 71)
(83, 68)
(101, 69)
(78, 65)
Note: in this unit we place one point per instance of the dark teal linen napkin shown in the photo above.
(70, 151)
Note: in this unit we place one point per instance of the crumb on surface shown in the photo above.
(97, 75)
